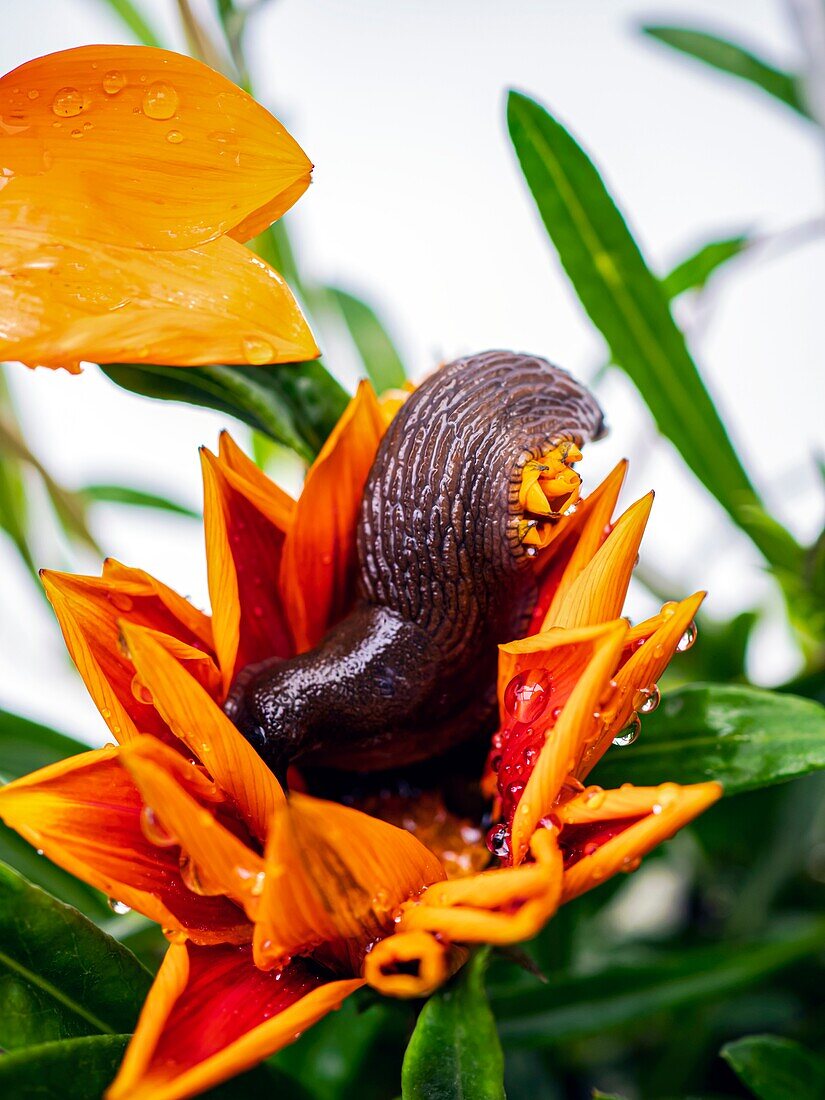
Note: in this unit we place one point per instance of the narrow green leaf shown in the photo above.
(26, 745)
(296, 404)
(74, 1069)
(731, 58)
(138, 498)
(628, 992)
(775, 1069)
(454, 1051)
(60, 975)
(140, 28)
(694, 271)
(743, 737)
(378, 354)
(14, 510)
(627, 303)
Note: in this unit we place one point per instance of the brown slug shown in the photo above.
(443, 576)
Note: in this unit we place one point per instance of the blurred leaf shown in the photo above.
(129, 14)
(454, 1051)
(123, 494)
(722, 653)
(744, 737)
(728, 57)
(26, 745)
(382, 362)
(776, 1069)
(60, 975)
(296, 404)
(627, 303)
(74, 1069)
(20, 855)
(14, 510)
(694, 271)
(573, 1007)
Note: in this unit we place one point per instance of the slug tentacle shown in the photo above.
(444, 551)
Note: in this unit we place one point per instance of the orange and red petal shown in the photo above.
(211, 1014)
(318, 569)
(141, 147)
(87, 815)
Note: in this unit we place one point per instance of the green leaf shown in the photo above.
(775, 1069)
(694, 271)
(628, 992)
(26, 745)
(60, 975)
(74, 1069)
(742, 736)
(20, 855)
(125, 494)
(381, 361)
(14, 510)
(296, 404)
(454, 1051)
(731, 58)
(627, 303)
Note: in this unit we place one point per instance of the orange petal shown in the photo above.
(66, 299)
(319, 562)
(566, 742)
(245, 519)
(88, 610)
(206, 731)
(141, 147)
(641, 818)
(212, 1014)
(218, 861)
(85, 814)
(409, 964)
(597, 593)
(334, 876)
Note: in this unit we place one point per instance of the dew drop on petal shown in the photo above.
(688, 638)
(152, 829)
(140, 691)
(32, 93)
(119, 907)
(68, 102)
(647, 700)
(527, 695)
(594, 797)
(629, 733)
(113, 82)
(498, 841)
(160, 100)
(175, 137)
(256, 351)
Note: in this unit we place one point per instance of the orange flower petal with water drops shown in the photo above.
(140, 147)
(334, 877)
(319, 563)
(65, 299)
(245, 520)
(605, 832)
(211, 1014)
(85, 814)
(199, 722)
(89, 609)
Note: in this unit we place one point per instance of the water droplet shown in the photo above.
(140, 691)
(527, 695)
(646, 700)
(119, 907)
(688, 638)
(656, 808)
(594, 797)
(175, 935)
(113, 82)
(631, 863)
(152, 829)
(189, 874)
(121, 601)
(77, 133)
(106, 713)
(32, 93)
(160, 100)
(175, 137)
(629, 733)
(40, 851)
(498, 841)
(68, 102)
(257, 352)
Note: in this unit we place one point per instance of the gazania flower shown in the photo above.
(277, 907)
(128, 178)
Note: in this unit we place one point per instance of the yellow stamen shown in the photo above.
(549, 487)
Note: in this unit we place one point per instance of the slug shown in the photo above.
(444, 577)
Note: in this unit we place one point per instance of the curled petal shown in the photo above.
(89, 609)
(334, 876)
(137, 146)
(211, 1014)
(319, 560)
(202, 726)
(65, 299)
(246, 518)
(410, 964)
(86, 814)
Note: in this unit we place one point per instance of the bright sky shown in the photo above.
(417, 205)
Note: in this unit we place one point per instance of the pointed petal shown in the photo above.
(245, 519)
(212, 1014)
(66, 299)
(334, 874)
(641, 818)
(142, 147)
(88, 610)
(598, 592)
(319, 562)
(85, 814)
(206, 731)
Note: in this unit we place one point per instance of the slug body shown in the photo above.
(443, 576)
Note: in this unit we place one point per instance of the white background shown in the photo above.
(418, 205)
